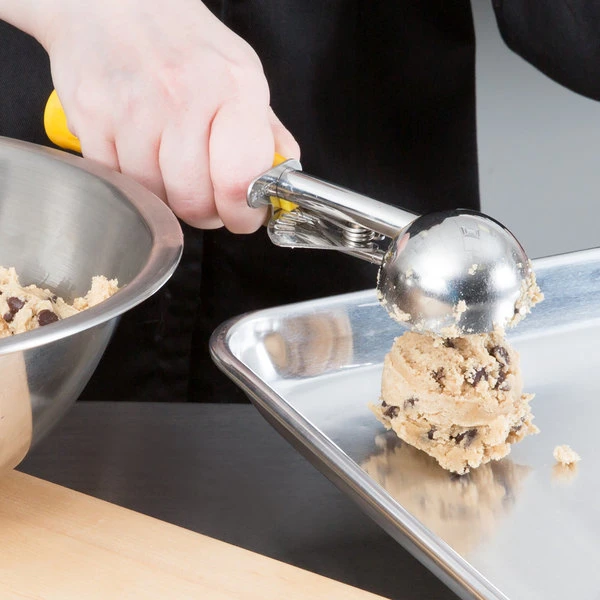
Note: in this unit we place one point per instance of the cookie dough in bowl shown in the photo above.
(23, 308)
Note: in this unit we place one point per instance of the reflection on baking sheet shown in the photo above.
(463, 510)
(564, 474)
(326, 344)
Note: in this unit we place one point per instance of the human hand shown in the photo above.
(165, 93)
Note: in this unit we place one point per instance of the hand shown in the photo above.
(162, 91)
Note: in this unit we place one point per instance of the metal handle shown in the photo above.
(308, 212)
(288, 182)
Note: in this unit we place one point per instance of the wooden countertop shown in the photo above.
(58, 543)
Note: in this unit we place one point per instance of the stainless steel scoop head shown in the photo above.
(450, 273)
(455, 272)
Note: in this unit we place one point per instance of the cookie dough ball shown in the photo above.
(460, 400)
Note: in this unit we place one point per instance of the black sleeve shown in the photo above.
(561, 38)
(25, 85)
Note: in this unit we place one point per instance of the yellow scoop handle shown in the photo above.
(55, 124)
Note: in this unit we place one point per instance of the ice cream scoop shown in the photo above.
(451, 273)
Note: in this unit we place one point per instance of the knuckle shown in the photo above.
(86, 99)
(229, 186)
(230, 190)
(247, 81)
(174, 83)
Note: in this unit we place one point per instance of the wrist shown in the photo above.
(35, 17)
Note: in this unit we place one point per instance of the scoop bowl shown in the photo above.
(454, 272)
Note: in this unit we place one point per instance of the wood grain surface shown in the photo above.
(223, 471)
(58, 543)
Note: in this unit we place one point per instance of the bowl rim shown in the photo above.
(167, 248)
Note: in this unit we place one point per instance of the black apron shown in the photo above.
(380, 96)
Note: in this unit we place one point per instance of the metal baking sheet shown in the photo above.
(517, 529)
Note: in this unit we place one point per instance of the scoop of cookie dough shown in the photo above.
(460, 400)
(23, 308)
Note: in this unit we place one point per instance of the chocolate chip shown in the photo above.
(8, 317)
(478, 376)
(500, 353)
(518, 426)
(391, 411)
(15, 304)
(383, 403)
(439, 374)
(501, 383)
(45, 317)
(54, 298)
(449, 343)
(468, 435)
(431, 432)
(410, 402)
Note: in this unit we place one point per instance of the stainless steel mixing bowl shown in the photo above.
(64, 219)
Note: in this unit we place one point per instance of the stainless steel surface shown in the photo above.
(520, 528)
(287, 181)
(428, 264)
(301, 228)
(443, 258)
(326, 217)
(63, 220)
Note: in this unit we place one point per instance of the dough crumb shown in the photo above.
(459, 309)
(565, 455)
(400, 316)
(530, 295)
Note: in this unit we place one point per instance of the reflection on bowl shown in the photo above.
(63, 220)
(462, 510)
(15, 410)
